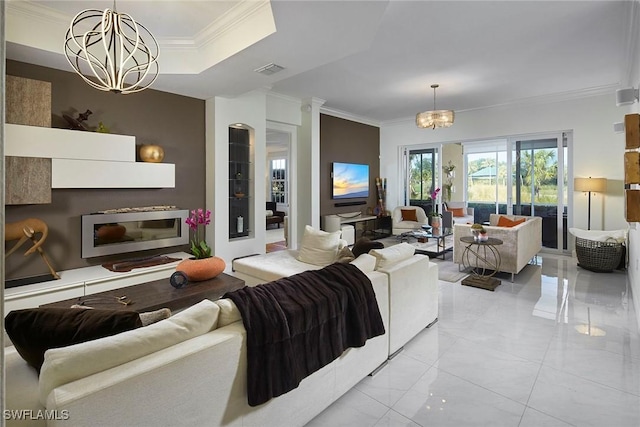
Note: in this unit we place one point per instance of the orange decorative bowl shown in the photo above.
(201, 269)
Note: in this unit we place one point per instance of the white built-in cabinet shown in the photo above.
(79, 282)
(87, 159)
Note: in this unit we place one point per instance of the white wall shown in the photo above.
(633, 268)
(255, 109)
(308, 162)
(597, 151)
(248, 109)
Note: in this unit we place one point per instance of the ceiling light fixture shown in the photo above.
(116, 54)
(435, 118)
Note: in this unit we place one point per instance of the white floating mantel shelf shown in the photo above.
(88, 159)
(69, 173)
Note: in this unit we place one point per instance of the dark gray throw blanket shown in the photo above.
(298, 324)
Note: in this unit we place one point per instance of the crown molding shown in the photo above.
(241, 26)
(530, 101)
(630, 69)
(230, 21)
(37, 13)
(553, 97)
(348, 116)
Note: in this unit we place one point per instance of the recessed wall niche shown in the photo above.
(241, 194)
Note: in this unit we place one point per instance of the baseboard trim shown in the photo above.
(379, 368)
(395, 353)
(432, 323)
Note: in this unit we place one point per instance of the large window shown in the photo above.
(524, 176)
(487, 177)
(279, 181)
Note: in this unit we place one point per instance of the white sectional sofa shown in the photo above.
(413, 285)
(189, 370)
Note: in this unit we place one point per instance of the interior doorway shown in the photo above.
(279, 184)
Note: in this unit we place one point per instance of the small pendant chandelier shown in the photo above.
(435, 118)
(116, 54)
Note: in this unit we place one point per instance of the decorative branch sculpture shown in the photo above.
(26, 230)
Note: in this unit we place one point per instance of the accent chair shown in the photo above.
(413, 218)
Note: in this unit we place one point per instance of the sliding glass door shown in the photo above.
(540, 186)
(522, 176)
(487, 178)
(422, 177)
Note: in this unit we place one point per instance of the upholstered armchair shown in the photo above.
(457, 213)
(520, 242)
(407, 218)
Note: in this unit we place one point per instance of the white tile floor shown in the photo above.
(513, 357)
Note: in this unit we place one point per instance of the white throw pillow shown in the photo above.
(387, 257)
(365, 262)
(66, 364)
(318, 247)
(269, 213)
(229, 312)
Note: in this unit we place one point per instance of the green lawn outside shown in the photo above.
(487, 193)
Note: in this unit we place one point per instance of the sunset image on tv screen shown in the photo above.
(350, 180)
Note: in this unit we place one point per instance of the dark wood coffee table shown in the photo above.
(158, 294)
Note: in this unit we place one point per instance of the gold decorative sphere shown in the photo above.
(151, 153)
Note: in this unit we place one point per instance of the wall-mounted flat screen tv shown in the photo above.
(350, 180)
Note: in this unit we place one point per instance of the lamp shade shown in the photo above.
(597, 185)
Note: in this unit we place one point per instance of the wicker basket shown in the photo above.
(598, 256)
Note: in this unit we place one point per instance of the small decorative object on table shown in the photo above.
(477, 230)
(203, 266)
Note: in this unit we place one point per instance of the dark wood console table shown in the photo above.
(373, 227)
(158, 294)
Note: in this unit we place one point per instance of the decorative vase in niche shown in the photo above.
(151, 153)
(201, 269)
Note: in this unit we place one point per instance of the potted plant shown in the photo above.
(434, 219)
(478, 230)
(447, 186)
(202, 266)
(434, 216)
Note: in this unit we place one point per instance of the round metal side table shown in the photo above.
(483, 258)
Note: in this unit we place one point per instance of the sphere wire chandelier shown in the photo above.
(435, 118)
(116, 54)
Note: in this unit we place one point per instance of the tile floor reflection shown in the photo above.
(519, 356)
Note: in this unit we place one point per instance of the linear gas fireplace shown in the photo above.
(133, 229)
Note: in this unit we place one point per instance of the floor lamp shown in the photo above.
(590, 185)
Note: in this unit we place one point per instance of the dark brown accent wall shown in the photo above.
(177, 123)
(351, 142)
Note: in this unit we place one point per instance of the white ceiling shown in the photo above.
(374, 59)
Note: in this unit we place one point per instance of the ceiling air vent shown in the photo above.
(269, 69)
